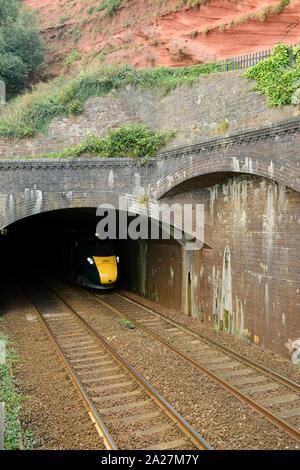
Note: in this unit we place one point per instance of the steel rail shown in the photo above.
(284, 380)
(273, 418)
(182, 424)
(94, 415)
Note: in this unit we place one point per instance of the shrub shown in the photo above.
(73, 56)
(111, 6)
(75, 107)
(131, 141)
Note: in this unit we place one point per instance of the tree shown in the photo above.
(12, 71)
(9, 10)
(21, 48)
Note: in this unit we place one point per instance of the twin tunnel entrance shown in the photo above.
(247, 284)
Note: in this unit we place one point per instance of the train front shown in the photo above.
(101, 268)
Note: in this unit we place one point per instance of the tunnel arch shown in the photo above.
(19, 207)
(280, 172)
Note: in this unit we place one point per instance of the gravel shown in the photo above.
(224, 421)
(53, 410)
(221, 419)
(256, 353)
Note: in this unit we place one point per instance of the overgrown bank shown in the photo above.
(30, 113)
(132, 141)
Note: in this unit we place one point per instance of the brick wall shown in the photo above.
(249, 181)
(249, 282)
(192, 111)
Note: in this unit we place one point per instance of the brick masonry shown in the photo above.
(192, 111)
(249, 282)
(248, 180)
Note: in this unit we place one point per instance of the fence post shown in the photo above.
(2, 93)
(1, 426)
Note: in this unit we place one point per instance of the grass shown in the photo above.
(110, 7)
(263, 14)
(132, 141)
(12, 398)
(259, 16)
(222, 127)
(127, 323)
(73, 56)
(29, 114)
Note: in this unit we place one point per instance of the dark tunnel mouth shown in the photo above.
(31, 246)
(35, 239)
(80, 220)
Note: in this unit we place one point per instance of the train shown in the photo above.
(90, 262)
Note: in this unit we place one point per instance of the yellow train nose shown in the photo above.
(107, 268)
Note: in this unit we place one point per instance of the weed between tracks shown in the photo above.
(126, 323)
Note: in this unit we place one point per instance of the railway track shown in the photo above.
(275, 397)
(128, 413)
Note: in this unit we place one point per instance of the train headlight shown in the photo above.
(90, 260)
(117, 259)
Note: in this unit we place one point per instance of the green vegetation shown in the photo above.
(276, 79)
(258, 16)
(196, 3)
(64, 19)
(263, 14)
(8, 11)
(193, 33)
(206, 29)
(110, 7)
(12, 397)
(21, 49)
(126, 323)
(30, 113)
(242, 334)
(222, 127)
(73, 56)
(131, 141)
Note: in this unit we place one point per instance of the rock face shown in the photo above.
(144, 33)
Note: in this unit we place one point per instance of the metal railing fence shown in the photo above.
(248, 60)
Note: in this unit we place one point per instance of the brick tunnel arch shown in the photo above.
(33, 202)
(215, 168)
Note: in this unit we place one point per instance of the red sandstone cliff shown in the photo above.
(148, 33)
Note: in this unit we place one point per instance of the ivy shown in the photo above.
(276, 78)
